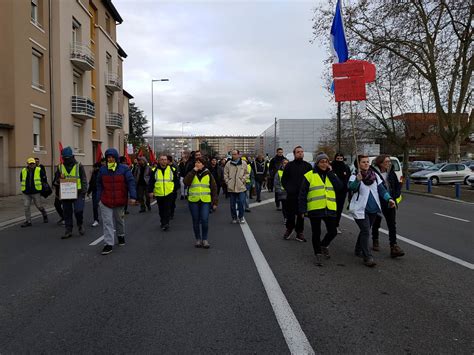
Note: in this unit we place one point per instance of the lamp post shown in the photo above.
(152, 117)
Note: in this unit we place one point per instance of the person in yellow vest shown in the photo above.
(71, 169)
(32, 178)
(202, 196)
(280, 192)
(161, 186)
(317, 199)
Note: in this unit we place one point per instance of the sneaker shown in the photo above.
(369, 262)
(284, 221)
(375, 245)
(67, 235)
(234, 221)
(242, 220)
(318, 260)
(287, 234)
(95, 224)
(45, 218)
(121, 240)
(325, 252)
(25, 224)
(165, 227)
(198, 243)
(107, 250)
(339, 231)
(82, 231)
(300, 237)
(247, 210)
(60, 222)
(205, 244)
(259, 200)
(396, 251)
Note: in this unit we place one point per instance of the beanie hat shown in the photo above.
(320, 156)
(67, 152)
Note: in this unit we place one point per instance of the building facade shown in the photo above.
(61, 70)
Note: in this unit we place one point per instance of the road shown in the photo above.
(158, 294)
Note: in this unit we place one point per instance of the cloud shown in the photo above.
(233, 66)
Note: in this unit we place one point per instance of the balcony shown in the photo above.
(82, 107)
(82, 56)
(113, 82)
(114, 120)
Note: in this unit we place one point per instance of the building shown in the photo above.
(173, 145)
(61, 70)
(288, 133)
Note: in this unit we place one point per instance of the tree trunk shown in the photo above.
(454, 150)
(405, 161)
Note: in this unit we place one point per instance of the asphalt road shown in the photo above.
(158, 294)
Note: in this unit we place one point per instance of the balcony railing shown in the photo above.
(82, 56)
(114, 120)
(82, 107)
(113, 81)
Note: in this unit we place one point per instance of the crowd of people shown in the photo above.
(318, 191)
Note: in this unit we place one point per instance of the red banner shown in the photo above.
(60, 153)
(350, 89)
(347, 69)
(98, 154)
(152, 155)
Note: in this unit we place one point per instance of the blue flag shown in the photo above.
(338, 38)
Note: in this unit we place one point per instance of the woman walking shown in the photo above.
(202, 196)
(368, 195)
(384, 169)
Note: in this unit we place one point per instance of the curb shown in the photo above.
(437, 196)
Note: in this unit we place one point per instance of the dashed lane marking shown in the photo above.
(456, 218)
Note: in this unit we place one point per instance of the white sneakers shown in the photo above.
(95, 224)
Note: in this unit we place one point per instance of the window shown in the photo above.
(109, 103)
(76, 31)
(77, 137)
(107, 23)
(108, 62)
(449, 167)
(37, 120)
(36, 72)
(34, 11)
(77, 84)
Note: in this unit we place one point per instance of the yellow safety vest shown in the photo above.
(73, 174)
(36, 178)
(164, 184)
(200, 190)
(320, 195)
(280, 174)
(249, 169)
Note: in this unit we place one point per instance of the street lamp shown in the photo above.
(182, 136)
(152, 117)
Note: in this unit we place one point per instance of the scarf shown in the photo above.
(112, 166)
(368, 177)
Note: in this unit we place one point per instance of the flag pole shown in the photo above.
(353, 133)
(339, 150)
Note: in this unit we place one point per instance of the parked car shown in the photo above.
(470, 181)
(419, 165)
(443, 173)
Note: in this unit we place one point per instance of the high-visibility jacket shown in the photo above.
(280, 174)
(73, 174)
(249, 170)
(320, 195)
(164, 182)
(36, 179)
(200, 190)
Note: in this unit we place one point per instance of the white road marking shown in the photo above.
(456, 218)
(427, 248)
(294, 336)
(264, 202)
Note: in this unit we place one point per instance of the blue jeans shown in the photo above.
(200, 215)
(258, 188)
(238, 198)
(76, 206)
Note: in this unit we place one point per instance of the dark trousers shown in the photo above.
(164, 208)
(340, 201)
(143, 197)
(200, 214)
(174, 196)
(284, 209)
(294, 219)
(362, 245)
(390, 215)
(59, 207)
(258, 189)
(95, 205)
(270, 182)
(277, 201)
(331, 232)
(76, 206)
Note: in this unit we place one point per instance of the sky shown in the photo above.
(233, 66)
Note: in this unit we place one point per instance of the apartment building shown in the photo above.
(61, 70)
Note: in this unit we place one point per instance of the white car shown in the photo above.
(443, 173)
(470, 181)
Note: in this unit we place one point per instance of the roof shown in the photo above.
(125, 93)
(113, 11)
(121, 52)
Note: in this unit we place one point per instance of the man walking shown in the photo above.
(291, 180)
(273, 167)
(115, 183)
(72, 170)
(235, 176)
(162, 185)
(142, 175)
(259, 169)
(174, 169)
(31, 180)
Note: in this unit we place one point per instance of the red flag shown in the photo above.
(127, 157)
(98, 153)
(61, 153)
(152, 155)
(140, 153)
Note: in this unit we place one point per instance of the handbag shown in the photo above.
(46, 190)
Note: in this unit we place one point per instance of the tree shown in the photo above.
(430, 41)
(137, 125)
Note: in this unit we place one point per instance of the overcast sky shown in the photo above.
(233, 65)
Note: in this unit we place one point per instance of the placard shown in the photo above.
(350, 89)
(68, 189)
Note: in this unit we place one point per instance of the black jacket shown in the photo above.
(218, 174)
(343, 172)
(293, 176)
(302, 198)
(274, 165)
(93, 182)
(259, 170)
(394, 188)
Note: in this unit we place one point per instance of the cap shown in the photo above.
(31, 161)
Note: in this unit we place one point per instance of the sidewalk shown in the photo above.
(12, 211)
(442, 191)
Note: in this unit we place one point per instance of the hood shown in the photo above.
(113, 152)
(422, 173)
